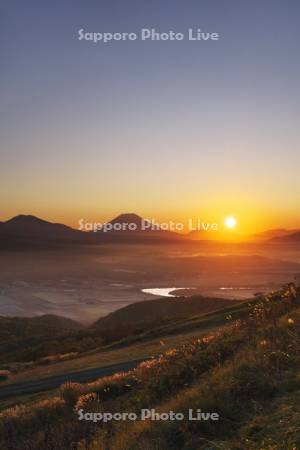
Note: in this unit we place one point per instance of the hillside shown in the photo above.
(163, 309)
(247, 374)
(30, 339)
(31, 231)
(24, 339)
(35, 326)
(28, 231)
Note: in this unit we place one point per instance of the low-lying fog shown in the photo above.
(86, 283)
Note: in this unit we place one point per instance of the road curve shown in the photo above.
(45, 384)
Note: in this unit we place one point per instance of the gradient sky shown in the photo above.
(166, 129)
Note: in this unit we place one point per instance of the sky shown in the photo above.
(166, 129)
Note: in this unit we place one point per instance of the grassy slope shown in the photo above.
(21, 338)
(254, 386)
(147, 344)
(248, 373)
(29, 340)
(162, 309)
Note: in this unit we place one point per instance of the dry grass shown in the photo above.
(248, 373)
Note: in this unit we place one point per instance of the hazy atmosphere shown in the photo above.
(149, 225)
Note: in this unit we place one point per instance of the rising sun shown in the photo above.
(230, 222)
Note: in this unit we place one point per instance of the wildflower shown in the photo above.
(84, 400)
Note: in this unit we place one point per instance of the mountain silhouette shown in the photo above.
(30, 225)
(31, 230)
(131, 222)
(273, 233)
(28, 230)
(128, 218)
(291, 237)
(132, 227)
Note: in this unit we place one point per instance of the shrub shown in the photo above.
(70, 393)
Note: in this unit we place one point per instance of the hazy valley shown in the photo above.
(86, 282)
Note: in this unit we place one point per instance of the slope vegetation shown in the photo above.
(247, 373)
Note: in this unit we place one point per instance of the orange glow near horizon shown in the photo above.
(134, 131)
(249, 222)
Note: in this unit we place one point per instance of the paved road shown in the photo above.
(45, 384)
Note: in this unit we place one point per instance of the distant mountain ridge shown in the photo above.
(274, 233)
(128, 222)
(131, 224)
(128, 218)
(291, 237)
(26, 230)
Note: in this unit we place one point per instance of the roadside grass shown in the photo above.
(256, 393)
(143, 349)
(247, 372)
(146, 344)
(27, 399)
